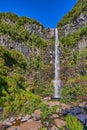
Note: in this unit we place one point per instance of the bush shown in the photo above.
(72, 39)
(46, 111)
(72, 93)
(73, 123)
(20, 101)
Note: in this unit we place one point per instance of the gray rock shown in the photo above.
(82, 43)
(77, 23)
(7, 123)
(37, 114)
(54, 116)
(12, 119)
(25, 118)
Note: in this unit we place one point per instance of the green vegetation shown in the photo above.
(20, 101)
(73, 123)
(15, 86)
(47, 111)
(12, 70)
(81, 6)
(19, 34)
(16, 32)
(13, 18)
(73, 93)
(76, 83)
(24, 79)
(43, 128)
(72, 39)
(21, 79)
(76, 65)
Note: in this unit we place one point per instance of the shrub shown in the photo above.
(72, 93)
(73, 123)
(46, 111)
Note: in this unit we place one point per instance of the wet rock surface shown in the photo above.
(79, 112)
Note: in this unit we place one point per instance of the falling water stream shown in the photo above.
(57, 81)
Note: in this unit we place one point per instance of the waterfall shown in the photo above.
(57, 81)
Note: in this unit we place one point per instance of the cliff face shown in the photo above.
(79, 22)
(25, 32)
(27, 58)
(36, 44)
(27, 37)
(73, 42)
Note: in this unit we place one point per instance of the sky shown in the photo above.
(47, 12)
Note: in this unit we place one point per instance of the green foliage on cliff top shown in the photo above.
(13, 27)
(13, 18)
(81, 6)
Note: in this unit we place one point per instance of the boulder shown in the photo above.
(64, 106)
(19, 118)
(54, 116)
(7, 123)
(47, 98)
(54, 103)
(37, 114)
(12, 119)
(82, 104)
(13, 128)
(32, 125)
(84, 98)
(59, 122)
(54, 127)
(73, 111)
(25, 118)
(58, 110)
(82, 118)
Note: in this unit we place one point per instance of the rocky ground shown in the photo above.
(34, 122)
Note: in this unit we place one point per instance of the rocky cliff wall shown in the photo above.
(77, 23)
